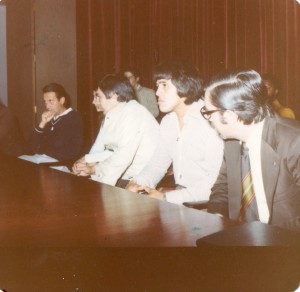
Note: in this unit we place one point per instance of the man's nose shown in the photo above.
(157, 92)
(48, 106)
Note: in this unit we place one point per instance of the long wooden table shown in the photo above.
(59, 232)
(42, 207)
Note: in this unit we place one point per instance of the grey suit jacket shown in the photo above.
(280, 152)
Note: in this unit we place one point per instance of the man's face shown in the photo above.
(217, 119)
(168, 98)
(132, 79)
(52, 104)
(101, 103)
(272, 92)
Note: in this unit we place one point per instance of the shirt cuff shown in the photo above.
(39, 130)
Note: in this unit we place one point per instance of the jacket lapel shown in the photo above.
(269, 160)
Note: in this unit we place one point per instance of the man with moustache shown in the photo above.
(186, 139)
(127, 138)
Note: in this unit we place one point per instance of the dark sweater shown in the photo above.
(61, 139)
(11, 139)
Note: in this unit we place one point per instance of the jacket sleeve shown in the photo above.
(157, 167)
(218, 201)
(130, 136)
(35, 140)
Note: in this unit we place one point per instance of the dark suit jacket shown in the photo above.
(11, 139)
(280, 152)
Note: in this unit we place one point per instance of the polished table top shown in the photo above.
(59, 232)
(42, 206)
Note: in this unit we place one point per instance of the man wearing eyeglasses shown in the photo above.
(259, 178)
(186, 139)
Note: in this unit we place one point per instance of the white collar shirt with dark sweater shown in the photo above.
(196, 152)
(61, 138)
(125, 143)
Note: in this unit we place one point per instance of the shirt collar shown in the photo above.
(255, 135)
(194, 110)
(64, 113)
(116, 110)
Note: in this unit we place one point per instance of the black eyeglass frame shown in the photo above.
(207, 114)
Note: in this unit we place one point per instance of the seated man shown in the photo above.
(11, 138)
(145, 96)
(60, 131)
(186, 138)
(259, 178)
(273, 86)
(127, 137)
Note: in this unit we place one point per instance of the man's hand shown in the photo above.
(134, 187)
(153, 193)
(46, 118)
(76, 165)
(82, 168)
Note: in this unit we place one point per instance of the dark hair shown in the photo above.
(59, 92)
(184, 76)
(242, 92)
(272, 79)
(133, 70)
(117, 84)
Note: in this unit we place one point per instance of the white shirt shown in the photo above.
(254, 145)
(125, 143)
(63, 113)
(196, 152)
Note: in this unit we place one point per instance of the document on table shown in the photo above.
(61, 168)
(38, 158)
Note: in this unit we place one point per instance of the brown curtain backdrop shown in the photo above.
(212, 34)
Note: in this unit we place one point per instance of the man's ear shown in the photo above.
(62, 101)
(114, 96)
(230, 117)
(276, 92)
(137, 79)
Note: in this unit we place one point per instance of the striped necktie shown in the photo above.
(248, 210)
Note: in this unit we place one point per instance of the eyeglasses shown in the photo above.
(207, 114)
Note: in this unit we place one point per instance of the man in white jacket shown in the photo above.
(127, 138)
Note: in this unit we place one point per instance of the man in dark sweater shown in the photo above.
(11, 138)
(60, 131)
